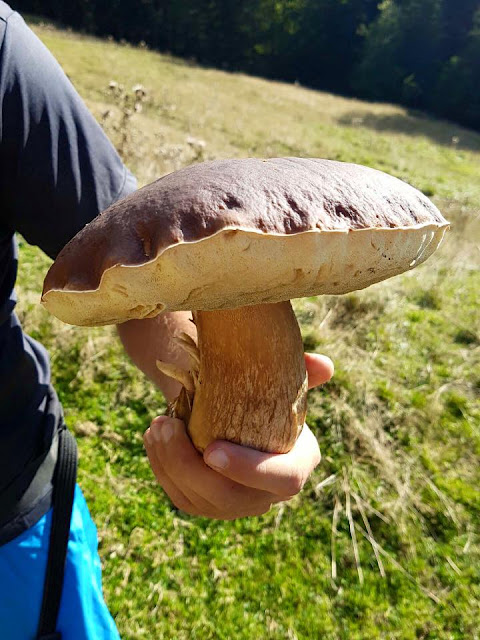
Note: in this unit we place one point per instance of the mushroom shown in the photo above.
(233, 241)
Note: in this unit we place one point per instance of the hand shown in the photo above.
(231, 481)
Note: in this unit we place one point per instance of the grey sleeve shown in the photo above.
(58, 169)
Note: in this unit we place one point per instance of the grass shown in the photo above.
(399, 426)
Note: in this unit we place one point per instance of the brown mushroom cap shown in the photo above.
(238, 232)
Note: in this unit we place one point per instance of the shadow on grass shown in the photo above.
(416, 123)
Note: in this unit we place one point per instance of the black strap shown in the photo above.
(63, 492)
(11, 506)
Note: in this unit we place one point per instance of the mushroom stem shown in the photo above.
(252, 381)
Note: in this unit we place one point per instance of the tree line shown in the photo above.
(424, 54)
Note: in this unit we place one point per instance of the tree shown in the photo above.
(457, 94)
(401, 55)
(457, 22)
(329, 40)
(422, 53)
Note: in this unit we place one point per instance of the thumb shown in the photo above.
(278, 473)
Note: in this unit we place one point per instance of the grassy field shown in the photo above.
(399, 426)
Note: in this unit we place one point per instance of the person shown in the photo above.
(58, 171)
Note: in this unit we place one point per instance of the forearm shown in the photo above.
(147, 341)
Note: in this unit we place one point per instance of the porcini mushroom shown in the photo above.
(234, 241)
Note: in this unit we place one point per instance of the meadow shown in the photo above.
(384, 540)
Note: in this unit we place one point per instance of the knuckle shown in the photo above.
(295, 484)
(261, 509)
(175, 460)
(314, 448)
(178, 500)
(147, 439)
(227, 512)
(182, 504)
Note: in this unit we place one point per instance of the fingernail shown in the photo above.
(148, 436)
(162, 431)
(218, 459)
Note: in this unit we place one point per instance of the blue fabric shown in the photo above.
(83, 612)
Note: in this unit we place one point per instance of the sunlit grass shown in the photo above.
(399, 425)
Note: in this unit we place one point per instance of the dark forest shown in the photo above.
(424, 54)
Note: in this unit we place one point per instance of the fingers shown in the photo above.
(319, 368)
(176, 496)
(278, 474)
(193, 486)
(231, 481)
(177, 465)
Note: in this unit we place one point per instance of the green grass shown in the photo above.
(399, 426)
